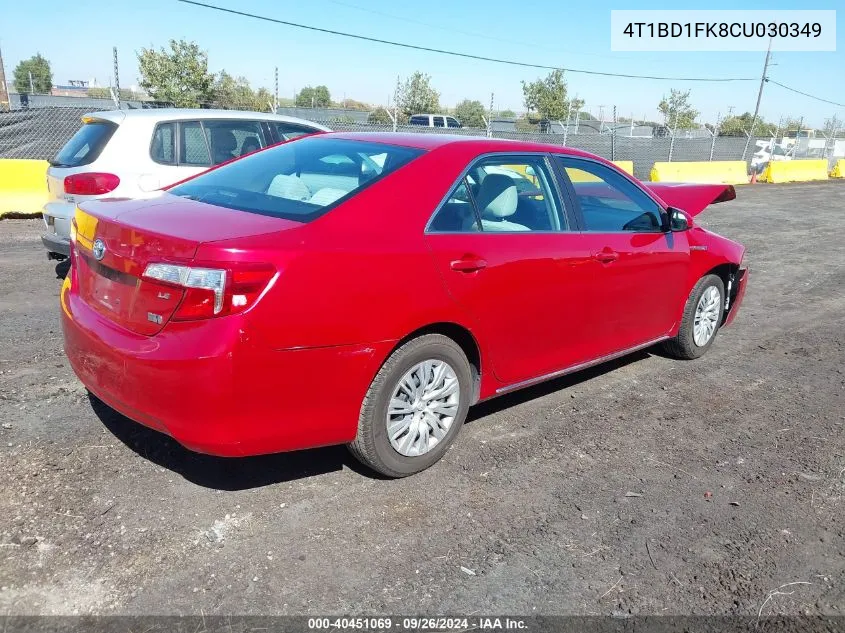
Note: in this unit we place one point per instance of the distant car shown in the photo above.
(434, 120)
(134, 153)
(369, 288)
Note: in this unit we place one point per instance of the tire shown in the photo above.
(373, 445)
(684, 345)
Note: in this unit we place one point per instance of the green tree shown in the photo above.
(548, 98)
(471, 113)
(740, 125)
(234, 93)
(263, 100)
(179, 75)
(380, 115)
(98, 92)
(677, 110)
(507, 114)
(317, 97)
(417, 96)
(42, 76)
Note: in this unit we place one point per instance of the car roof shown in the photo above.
(435, 141)
(177, 114)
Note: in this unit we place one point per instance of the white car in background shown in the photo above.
(134, 153)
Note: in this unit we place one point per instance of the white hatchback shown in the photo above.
(134, 153)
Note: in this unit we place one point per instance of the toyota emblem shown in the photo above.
(98, 249)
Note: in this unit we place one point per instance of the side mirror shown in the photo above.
(679, 220)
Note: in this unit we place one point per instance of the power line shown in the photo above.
(841, 105)
(454, 53)
(444, 27)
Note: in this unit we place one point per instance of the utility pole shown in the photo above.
(31, 85)
(4, 91)
(763, 80)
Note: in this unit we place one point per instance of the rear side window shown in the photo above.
(194, 145)
(419, 120)
(439, 122)
(300, 180)
(86, 145)
(162, 148)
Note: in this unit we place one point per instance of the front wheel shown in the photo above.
(414, 407)
(701, 320)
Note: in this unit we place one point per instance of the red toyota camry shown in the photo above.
(369, 288)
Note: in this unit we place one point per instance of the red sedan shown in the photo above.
(369, 288)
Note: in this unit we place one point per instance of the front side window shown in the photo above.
(503, 194)
(290, 131)
(610, 203)
(300, 180)
(231, 139)
(452, 122)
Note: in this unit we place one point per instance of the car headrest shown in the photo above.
(223, 140)
(497, 196)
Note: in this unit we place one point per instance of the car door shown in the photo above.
(638, 268)
(507, 256)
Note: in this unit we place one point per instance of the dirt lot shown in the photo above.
(736, 463)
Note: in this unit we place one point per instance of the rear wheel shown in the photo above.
(414, 407)
(701, 320)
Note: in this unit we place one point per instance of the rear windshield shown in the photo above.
(299, 180)
(85, 146)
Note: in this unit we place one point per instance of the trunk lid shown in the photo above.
(691, 197)
(117, 238)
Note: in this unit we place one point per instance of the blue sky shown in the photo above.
(78, 37)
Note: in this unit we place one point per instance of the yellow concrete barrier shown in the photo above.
(625, 165)
(838, 170)
(23, 186)
(579, 175)
(729, 172)
(795, 170)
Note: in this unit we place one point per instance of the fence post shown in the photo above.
(116, 79)
(613, 137)
(672, 141)
(568, 118)
(490, 118)
(715, 134)
(396, 105)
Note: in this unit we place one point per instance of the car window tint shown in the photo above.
(162, 148)
(457, 214)
(297, 181)
(509, 194)
(610, 202)
(438, 121)
(194, 146)
(419, 120)
(85, 146)
(231, 139)
(289, 131)
(452, 122)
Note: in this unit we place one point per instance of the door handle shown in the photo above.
(606, 257)
(468, 264)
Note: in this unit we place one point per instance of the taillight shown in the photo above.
(91, 184)
(211, 292)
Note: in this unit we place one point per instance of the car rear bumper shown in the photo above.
(216, 390)
(57, 218)
(55, 245)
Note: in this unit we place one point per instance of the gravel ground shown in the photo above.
(644, 486)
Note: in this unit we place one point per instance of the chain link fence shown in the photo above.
(39, 126)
